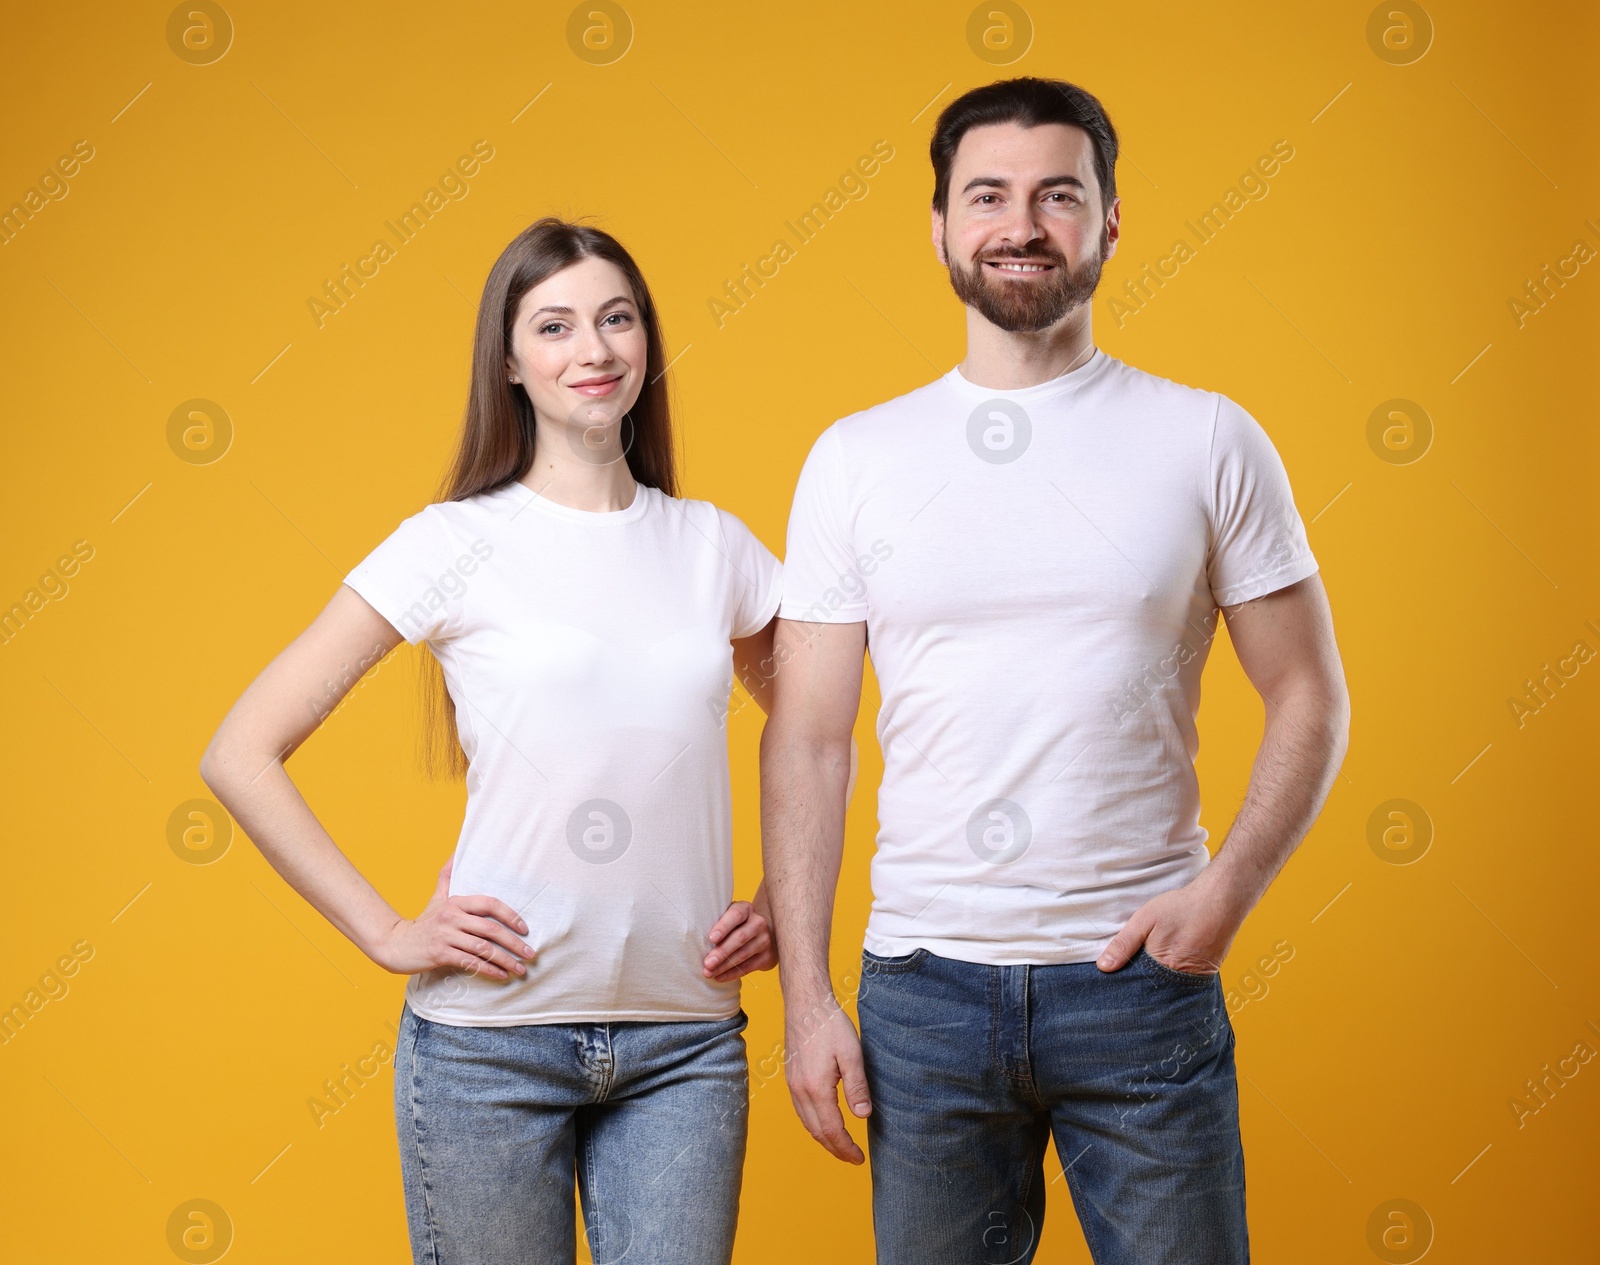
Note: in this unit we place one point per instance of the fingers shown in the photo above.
(821, 1060)
(853, 1073)
(479, 925)
(484, 956)
(752, 931)
(735, 914)
(818, 1107)
(749, 966)
(756, 954)
(489, 907)
(489, 929)
(1126, 942)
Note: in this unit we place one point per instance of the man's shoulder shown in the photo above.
(1141, 387)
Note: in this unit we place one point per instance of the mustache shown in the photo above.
(1048, 255)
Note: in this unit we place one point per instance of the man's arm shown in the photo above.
(805, 770)
(1286, 646)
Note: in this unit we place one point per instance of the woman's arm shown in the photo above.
(754, 665)
(743, 935)
(243, 766)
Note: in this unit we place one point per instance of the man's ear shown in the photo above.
(938, 236)
(1113, 227)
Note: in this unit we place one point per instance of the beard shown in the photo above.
(1023, 307)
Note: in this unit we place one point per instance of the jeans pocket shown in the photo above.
(872, 964)
(1169, 972)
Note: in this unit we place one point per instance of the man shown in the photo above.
(1035, 547)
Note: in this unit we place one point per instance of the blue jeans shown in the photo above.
(973, 1068)
(495, 1122)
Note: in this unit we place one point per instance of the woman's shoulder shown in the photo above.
(480, 507)
(705, 515)
(732, 537)
(446, 525)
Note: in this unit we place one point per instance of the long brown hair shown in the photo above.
(495, 445)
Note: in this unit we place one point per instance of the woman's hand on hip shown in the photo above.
(476, 934)
(744, 943)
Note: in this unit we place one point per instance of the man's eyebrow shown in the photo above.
(567, 311)
(1000, 182)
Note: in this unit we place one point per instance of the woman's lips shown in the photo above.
(599, 388)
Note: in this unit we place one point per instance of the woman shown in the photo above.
(573, 1005)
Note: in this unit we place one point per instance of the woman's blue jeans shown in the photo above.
(972, 1070)
(495, 1124)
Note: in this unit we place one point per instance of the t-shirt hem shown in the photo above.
(586, 1016)
(769, 608)
(379, 602)
(986, 954)
(1281, 578)
(790, 608)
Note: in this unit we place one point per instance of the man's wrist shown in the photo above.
(1237, 887)
(806, 990)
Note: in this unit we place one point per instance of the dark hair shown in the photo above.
(1030, 102)
(495, 445)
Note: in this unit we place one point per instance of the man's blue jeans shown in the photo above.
(973, 1068)
(495, 1122)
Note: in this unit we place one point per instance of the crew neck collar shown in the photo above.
(527, 499)
(1059, 385)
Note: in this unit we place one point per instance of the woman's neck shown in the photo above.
(578, 483)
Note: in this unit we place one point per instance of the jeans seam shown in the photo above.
(416, 1135)
(1026, 1081)
(996, 1014)
(591, 1214)
(880, 966)
(608, 1076)
(1031, 1171)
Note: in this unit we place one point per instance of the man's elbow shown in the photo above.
(787, 736)
(1320, 705)
(1332, 709)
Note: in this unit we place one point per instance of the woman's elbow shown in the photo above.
(213, 763)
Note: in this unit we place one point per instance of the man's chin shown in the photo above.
(1023, 319)
(1010, 307)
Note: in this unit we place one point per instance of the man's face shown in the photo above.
(1025, 234)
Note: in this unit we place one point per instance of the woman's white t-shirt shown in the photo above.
(588, 657)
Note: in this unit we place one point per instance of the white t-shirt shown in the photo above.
(588, 657)
(1038, 570)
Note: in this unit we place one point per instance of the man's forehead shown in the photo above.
(1057, 145)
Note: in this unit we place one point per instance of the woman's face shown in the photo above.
(578, 345)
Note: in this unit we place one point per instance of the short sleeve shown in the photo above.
(1258, 543)
(756, 576)
(401, 579)
(819, 566)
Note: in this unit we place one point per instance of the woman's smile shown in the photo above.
(597, 386)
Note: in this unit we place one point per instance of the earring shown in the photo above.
(511, 380)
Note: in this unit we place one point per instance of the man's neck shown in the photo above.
(1005, 361)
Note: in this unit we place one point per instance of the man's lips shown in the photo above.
(1019, 267)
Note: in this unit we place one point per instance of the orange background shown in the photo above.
(1380, 1062)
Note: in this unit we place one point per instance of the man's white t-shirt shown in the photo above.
(1039, 572)
(588, 657)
